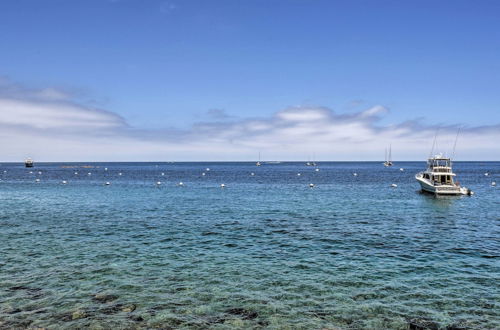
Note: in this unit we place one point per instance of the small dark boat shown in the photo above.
(29, 162)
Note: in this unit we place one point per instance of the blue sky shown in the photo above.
(167, 70)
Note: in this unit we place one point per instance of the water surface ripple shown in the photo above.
(267, 251)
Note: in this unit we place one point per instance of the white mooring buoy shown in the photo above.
(64, 181)
(107, 183)
(355, 174)
(394, 185)
(158, 183)
(493, 183)
(311, 185)
(222, 185)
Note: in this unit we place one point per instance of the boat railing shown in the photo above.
(441, 169)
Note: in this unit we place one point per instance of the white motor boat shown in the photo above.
(439, 178)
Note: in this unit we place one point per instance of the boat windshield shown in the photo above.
(440, 162)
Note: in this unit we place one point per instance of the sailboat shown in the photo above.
(388, 160)
(258, 163)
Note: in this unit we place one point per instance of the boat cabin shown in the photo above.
(442, 165)
(439, 179)
(439, 171)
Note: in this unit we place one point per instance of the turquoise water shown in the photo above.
(267, 251)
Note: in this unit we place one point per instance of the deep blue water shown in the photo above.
(267, 251)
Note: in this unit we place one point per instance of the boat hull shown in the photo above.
(427, 186)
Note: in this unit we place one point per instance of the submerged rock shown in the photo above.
(104, 298)
(136, 318)
(422, 324)
(129, 308)
(79, 314)
(244, 313)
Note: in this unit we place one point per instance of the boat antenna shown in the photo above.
(434, 143)
(455, 145)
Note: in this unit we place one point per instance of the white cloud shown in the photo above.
(55, 115)
(49, 125)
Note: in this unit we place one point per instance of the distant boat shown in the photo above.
(258, 163)
(388, 160)
(29, 162)
(438, 178)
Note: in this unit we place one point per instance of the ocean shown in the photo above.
(267, 251)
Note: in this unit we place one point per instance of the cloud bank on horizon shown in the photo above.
(50, 125)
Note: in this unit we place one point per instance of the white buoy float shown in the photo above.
(120, 173)
(222, 185)
(317, 170)
(401, 169)
(180, 184)
(37, 180)
(89, 173)
(311, 185)
(493, 183)
(394, 185)
(107, 183)
(64, 181)
(39, 172)
(31, 172)
(252, 174)
(158, 183)
(298, 174)
(162, 174)
(355, 174)
(76, 173)
(207, 169)
(203, 174)
(105, 168)
(486, 174)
